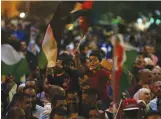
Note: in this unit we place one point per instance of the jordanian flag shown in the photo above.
(52, 41)
(124, 57)
(13, 62)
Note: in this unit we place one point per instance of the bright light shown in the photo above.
(157, 12)
(22, 15)
(151, 20)
(158, 21)
(139, 20)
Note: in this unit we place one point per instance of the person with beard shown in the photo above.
(35, 110)
(145, 78)
(157, 93)
(99, 76)
(20, 100)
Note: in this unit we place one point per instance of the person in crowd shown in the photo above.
(99, 76)
(157, 92)
(20, 100)
(31, 58)
(55, 91)
(15, 113)
(143, 94)
(156, 73)
(55, 114)
(153, 115)
(145, 78)
(35, 109)
(148, 52)
(20, 33)
(89, 99)
(143, 98)
(94, 113)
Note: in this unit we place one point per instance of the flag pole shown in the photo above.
(80, 42)
(113, 79)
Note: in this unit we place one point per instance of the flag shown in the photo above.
(52, 39)
(124, 57)
(13, 62)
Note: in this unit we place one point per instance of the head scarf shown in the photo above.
(139, 95)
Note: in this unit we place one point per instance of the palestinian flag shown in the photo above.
(124, 57)
(13, 62)
(52, 40)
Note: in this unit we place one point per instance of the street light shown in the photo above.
(22, 15)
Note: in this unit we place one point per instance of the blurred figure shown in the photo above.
(89, 99)
(31, 58)
(145, 78)
(20, 100)
(153, 115)
(157, 93)
(156, 73)
(94, 114)
(20, 33)
(15, 113)
(148, 52)
(35, 110)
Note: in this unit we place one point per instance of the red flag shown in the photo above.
(87, 5)
(83, 24)
(118, 68)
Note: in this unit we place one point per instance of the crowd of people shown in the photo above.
(79, 86)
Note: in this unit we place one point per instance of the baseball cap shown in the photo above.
(130, 104)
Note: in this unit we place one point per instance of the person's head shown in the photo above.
(16, 113)
(95, 58)
(156, 73)
(23, 46)
(58, 100)
(145, 76)
(147, 50)
(94, 113)
(153, 115)
(72, 97)
(20, 100)
(30, 83)
(46, 85)
(56, 114)
(31, 93)
(21, 87)
(157, 88)
(143, 94)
